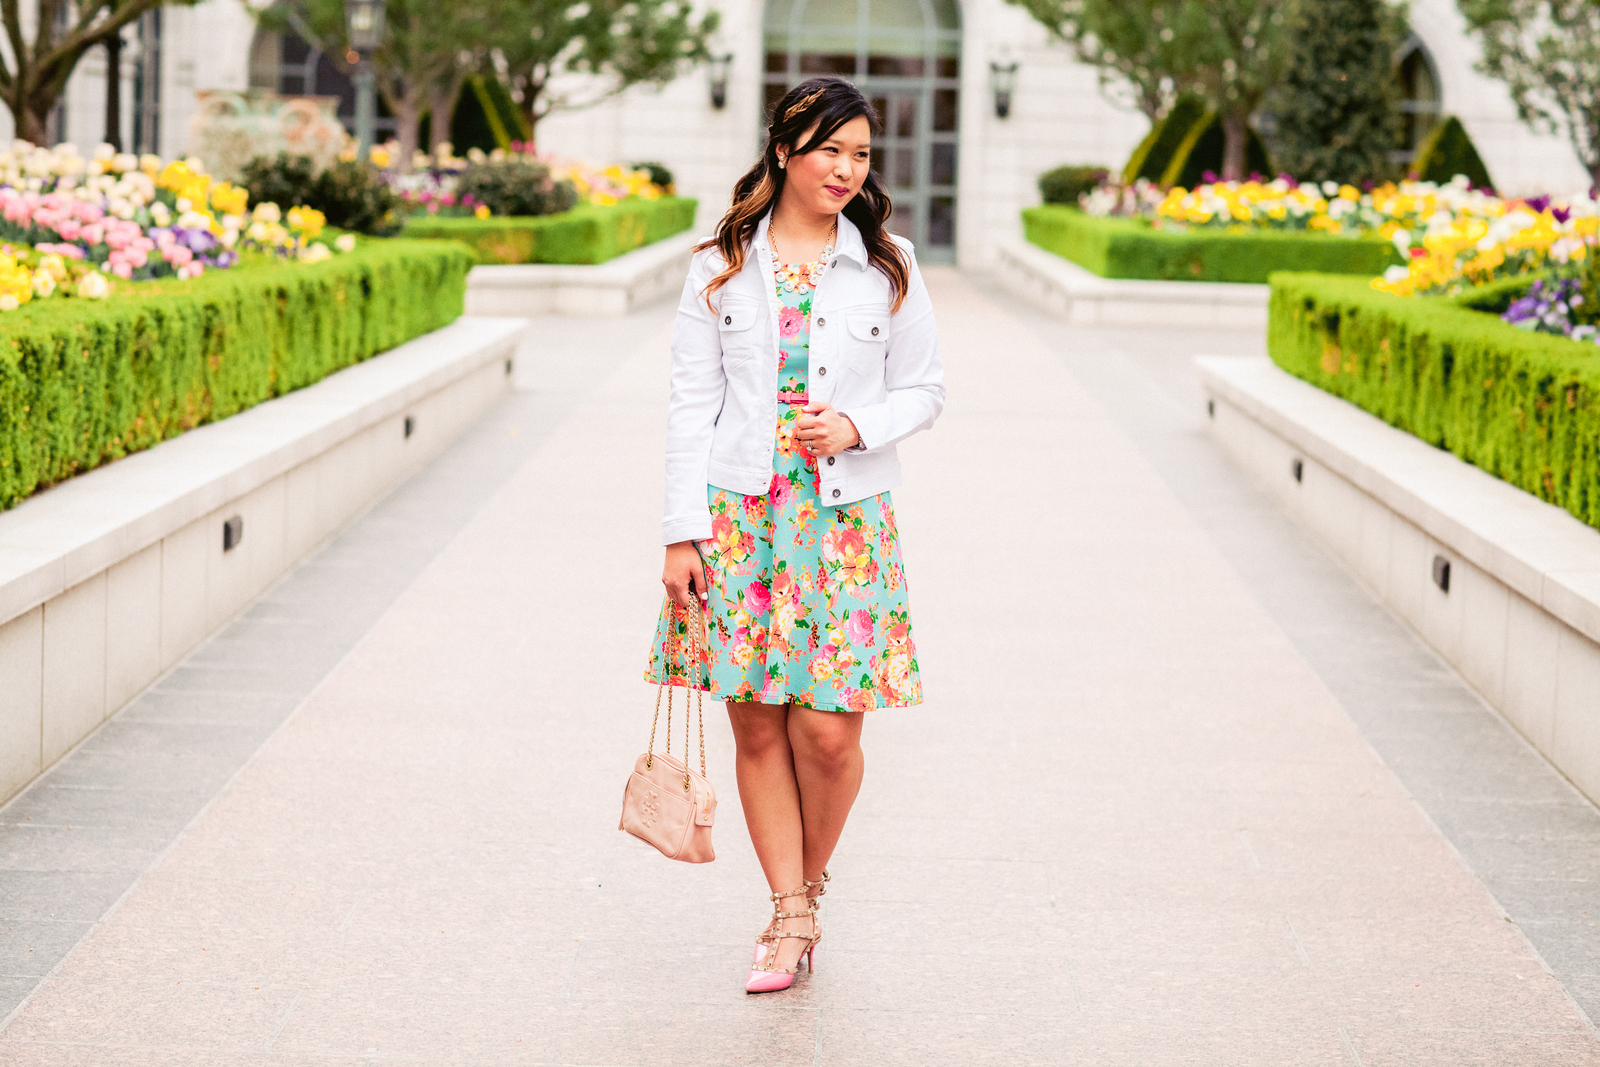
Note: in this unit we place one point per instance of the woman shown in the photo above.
(802, 314)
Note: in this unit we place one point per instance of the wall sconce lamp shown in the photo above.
(719, 79)
(1004, 78)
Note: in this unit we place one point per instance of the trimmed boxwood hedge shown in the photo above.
(1131, 248)
(86, 382)
(1523, 406)
(586, 234)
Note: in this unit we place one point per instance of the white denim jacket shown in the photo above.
(881, 370)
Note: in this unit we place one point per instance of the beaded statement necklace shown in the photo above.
(822, 261)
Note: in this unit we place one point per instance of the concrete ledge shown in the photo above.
(1068, 291)
(109, 579)
(1521, 618)
(643, 276)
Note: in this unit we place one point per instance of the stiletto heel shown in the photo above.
(821, 885)
(773, 979)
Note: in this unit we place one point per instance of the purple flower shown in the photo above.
(1208, 176)
(1561, 214)
(1539, 203)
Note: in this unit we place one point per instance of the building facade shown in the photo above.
(960, 171)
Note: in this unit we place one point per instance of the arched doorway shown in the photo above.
(905, 55)
(1419, 98)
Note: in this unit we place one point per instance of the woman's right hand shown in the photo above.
(682, 573)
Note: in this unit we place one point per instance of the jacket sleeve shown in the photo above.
(913, 373)
(698, 386)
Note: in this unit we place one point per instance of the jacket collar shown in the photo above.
(848, 245)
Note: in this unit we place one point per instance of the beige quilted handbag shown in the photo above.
(665, 803)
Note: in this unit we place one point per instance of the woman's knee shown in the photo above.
(759, 730)
(830, 742)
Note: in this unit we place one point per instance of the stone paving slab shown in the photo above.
(1130, 826)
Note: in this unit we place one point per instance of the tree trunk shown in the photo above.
(1235, 136)
(114, 91)
(407, 120)
(33, 121)
(442, 103)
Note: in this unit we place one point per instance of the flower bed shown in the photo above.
(590, 233)
(1115, 247)
(86, 382)
(1521, 404)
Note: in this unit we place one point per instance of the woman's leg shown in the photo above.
(767, 790)
(771, 801)
(828, 764)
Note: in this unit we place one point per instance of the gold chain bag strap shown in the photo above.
(665, 803)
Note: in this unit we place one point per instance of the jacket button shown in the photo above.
(874, 331)
(727, 320)
(830, 461)
(822, 322)
(836, 493)
(822, 370)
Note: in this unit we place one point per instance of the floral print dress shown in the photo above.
(807, 602)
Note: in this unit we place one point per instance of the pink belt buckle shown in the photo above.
(793, 398)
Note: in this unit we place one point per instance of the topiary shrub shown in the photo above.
(659, 174)
(285, 180)
(354, 197)
(1201, 152)
(516, 187)
(1448, 151)
(350, 193)
(1150, 159)
(1064, 185)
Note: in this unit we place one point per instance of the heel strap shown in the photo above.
(821, 883)
(789, 893)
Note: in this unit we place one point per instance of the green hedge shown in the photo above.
(86, 382)
(1130, 248)
(1523, 406)
(586, 234)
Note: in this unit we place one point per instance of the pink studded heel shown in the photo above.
(768, 979)
(821, 887)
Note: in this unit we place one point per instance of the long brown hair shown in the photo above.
(827, 104)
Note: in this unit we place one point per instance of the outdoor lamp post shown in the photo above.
(363, 24)
(719, 79)
(1004, 78)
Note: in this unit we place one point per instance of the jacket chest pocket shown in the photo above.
(736, 323)
(867, 342)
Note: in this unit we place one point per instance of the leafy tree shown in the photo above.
(1132, 44)
(1337, 105)
(1548, 54)
(35, 66)
(422, 63)
(622, 42)
(1239, 58)
(1230, 52)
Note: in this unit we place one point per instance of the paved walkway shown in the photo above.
(1160, 807)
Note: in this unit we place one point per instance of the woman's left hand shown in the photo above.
(823, 431)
